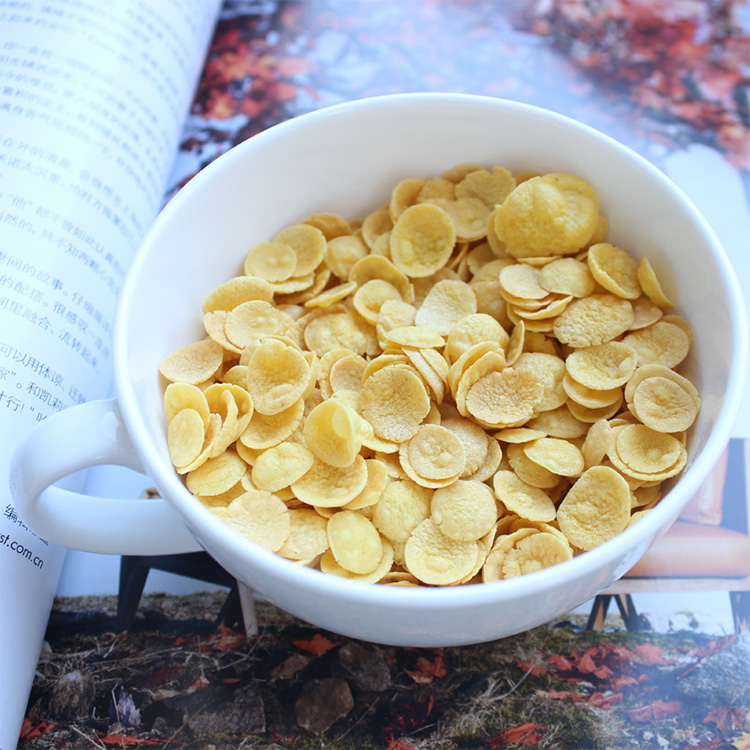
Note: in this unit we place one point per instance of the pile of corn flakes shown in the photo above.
(467, 385)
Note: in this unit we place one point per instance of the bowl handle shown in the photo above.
(78, 438)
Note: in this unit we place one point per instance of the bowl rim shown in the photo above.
(208, 527)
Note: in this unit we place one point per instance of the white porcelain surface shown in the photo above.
(346, 159)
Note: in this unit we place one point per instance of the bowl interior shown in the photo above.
(346, 160)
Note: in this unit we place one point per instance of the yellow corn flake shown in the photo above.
(186, 432)
(550, 214)
(651, 286)
(492, 188)
(264, 431)
(596, 445)
(253, 320)
(474, 440)
(557, 456)
(596, 508)
(342, 253)
(393, 314)
(549, 369)
(645, 313)
(490, 464)
(468, 215)
(278, 376)
(402, 506)
(417, 337)
(179, 396)
(567, 276)
(329, 565)
(422, 240)
(525, 551)
(615, 270)
(645, 451)
(377, 480)
(593, 320)
(435, 381)
(520, 282)
(331, 432)
(590, 397)
(515, 435)
(193, 363)
(331, 295)
(529, 502)
(529, 471)
(327, 486)
(602, 367)
(403, 196)
(664, 405)
(394, 401)
(272, 261)
(465, 510)
(473, 329)
(236, 291)
(376, 224)
(346, 373)
(308, 244)
(336, 330)
(330, 224)
(354, 542)
(590, 415)
(380, 268)
(308, 535)
(445, 305)
(662, 343)
(505, 398)
(261, 517)
(435, 558)
(435, 453)
(280, 466)
(559, 423)
(216, 475)
(369, 298)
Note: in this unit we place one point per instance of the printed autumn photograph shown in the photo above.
(193, 671)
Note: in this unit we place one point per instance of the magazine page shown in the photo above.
(665, 662)
(91, 106)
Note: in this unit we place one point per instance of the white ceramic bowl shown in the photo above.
(346, 159)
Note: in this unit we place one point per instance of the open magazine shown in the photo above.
(92, 105)
(96, 132)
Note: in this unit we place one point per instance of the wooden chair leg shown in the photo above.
(630, 616)
(740, 601)
(599, 612)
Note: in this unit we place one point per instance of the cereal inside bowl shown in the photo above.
(468, 383)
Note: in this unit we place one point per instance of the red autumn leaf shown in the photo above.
(650, 655)
(31, 731)
(428, 670)
(535, 670)
(317, 645)
(655, 711)
(523, 734)
(726, 718)
(586, 663)
(560, 662)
